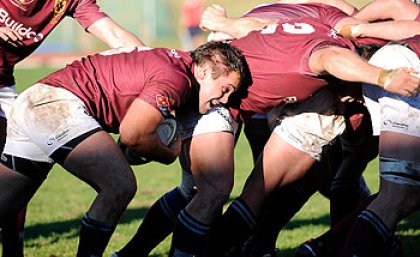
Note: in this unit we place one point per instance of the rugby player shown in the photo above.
(358, 151)
(287, 145)
(65, 117)
(214, 181)
(396, 119)
(24, 25)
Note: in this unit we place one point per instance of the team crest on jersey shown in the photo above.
(58, 10)
(164, 104)
(290, 99)
(22, 4)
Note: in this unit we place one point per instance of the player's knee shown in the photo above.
(218, 193)
(123, 192)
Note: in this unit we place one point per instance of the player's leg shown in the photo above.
(210, 160)
(291, 150)
(332, 242)
(81, 147)
(160, 218)
(98, 161)
(281, 207)
(239, 220)
(13, 229)
(359, 147)
(397, 120)
(397, 198)
(16, 191)
(257, 132)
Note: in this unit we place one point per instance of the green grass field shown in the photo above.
(55, 212)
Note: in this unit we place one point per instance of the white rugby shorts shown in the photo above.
(310, 132)
(42, 119)
(7, 96)
(218, 119)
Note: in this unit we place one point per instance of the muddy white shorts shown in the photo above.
(312, 124)
(310, 132)
(7, 96)
(44, 118)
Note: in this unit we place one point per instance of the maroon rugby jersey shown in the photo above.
(109, 83)
(34, 20)
(278, 59)
(330, 15)
(413, 43)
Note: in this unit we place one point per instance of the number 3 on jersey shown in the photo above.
(295, 28)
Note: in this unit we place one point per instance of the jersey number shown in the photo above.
(295, 28)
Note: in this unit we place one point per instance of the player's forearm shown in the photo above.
(343, 64)
(113, 34)
(122, 38)
(391, 30)
(240, 27)
(150, 147)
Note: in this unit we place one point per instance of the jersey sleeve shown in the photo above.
(167, 91)
(87, 12)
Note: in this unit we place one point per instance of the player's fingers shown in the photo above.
(17, 35)
(12, 35)
(4, 37)
(216, 6)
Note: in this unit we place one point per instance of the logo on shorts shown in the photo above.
(22, 4)
(56, 138)
(394, 124)
(58, 9)
(164, 104)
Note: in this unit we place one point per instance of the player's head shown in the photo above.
(219, 69)
(366, 51)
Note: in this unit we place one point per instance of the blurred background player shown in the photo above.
(23, 28)
(191, 35)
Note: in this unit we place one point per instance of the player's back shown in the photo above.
(278, 58)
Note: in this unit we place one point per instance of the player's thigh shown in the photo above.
(283, 163)
(98, 161)
(212, 160)
(208, 144)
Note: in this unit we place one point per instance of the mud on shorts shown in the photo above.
(43, 120)
(395, 113)
(310, 125)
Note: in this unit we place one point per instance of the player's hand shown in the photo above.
(212, 18)
(403, 81)
(10, 37)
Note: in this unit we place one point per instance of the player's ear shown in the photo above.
(203, 71)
